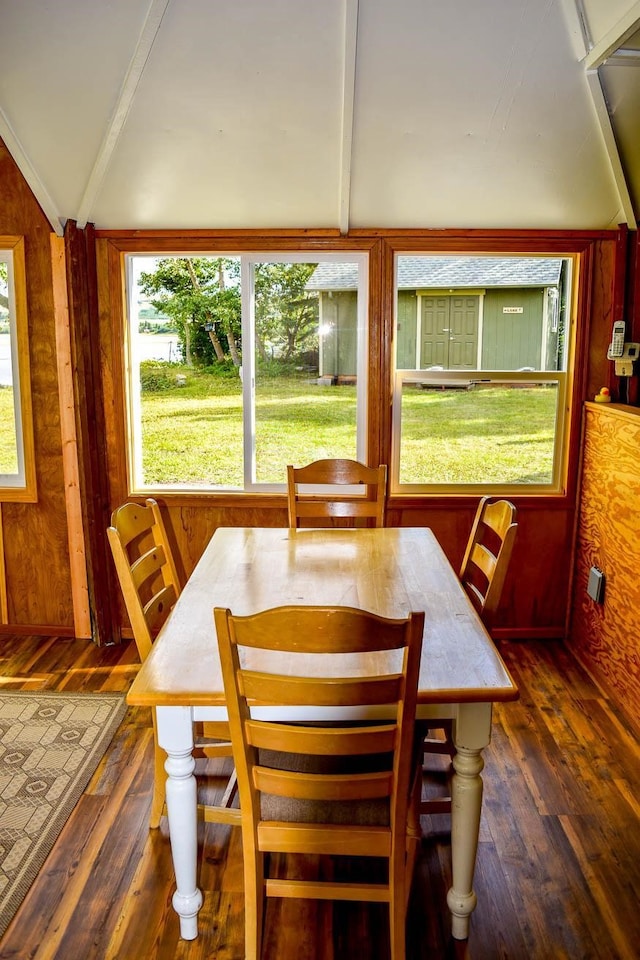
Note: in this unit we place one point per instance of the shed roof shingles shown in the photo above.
(415, 273)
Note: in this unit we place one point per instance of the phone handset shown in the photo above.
(616, 347)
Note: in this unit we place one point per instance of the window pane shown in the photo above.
(482, 313)
(202, 414)
(486, 338)
(9, 406)
(478, 433)
(306, 365)
(185, 386)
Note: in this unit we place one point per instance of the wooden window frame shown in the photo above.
(557, 485)
(596, 252)
(23, 489)
(257, 253)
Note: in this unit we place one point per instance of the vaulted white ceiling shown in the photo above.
(139, 114)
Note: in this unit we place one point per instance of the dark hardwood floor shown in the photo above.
(558, 870)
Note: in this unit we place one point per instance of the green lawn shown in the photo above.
(8, 458)
(193, 434)
(483, 435)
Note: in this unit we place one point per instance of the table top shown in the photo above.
(389, 571)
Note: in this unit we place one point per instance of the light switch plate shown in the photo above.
(595, 586)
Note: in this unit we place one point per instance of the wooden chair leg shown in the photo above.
(442, 746)
(254, 894)
(397, 912)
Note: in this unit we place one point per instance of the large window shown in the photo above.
(481, 356)
(240, 364)
(17, 464)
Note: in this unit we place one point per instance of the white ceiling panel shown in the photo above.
(136, 114)
(62, 63)
(236, 120)
(602, 15)
(475, 121)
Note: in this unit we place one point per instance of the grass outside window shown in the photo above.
(192, 433)
(8, 438)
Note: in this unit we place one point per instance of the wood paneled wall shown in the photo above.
(605, 635)
(35, 543)
(537, 590)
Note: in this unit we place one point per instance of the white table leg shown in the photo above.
(175, 735)
(472, 732)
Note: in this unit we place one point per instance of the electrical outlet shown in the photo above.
(624, 368)
(595, 586)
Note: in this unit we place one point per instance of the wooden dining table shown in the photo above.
(389, 571)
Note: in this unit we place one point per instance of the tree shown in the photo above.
(4, 285)
(286, 312)
(202, 295)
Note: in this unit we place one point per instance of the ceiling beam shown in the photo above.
(592, 55)
(614, 38)
(348, 99)
(608, 135)
(155, 13)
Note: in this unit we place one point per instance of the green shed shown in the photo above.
(453, 313)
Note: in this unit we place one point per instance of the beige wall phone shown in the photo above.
(622, 353)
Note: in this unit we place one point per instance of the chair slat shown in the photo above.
(155, 611)
(319, 741)
(327, 890)
(311, 629)
(320, 838)
(266, 688)
(336, 473)
(147, 565)
(315, 507)
(330, 787)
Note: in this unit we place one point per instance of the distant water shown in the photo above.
(159, 346)
(5, 361)
(153, 346)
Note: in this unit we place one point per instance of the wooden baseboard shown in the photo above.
(35, 630)
(608, 690)
(528, 633)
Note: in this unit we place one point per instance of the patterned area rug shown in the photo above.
(50, 745)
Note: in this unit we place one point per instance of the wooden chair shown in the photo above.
(323, 788)
(486, 559)
(309, 507)
(150, 586)
(482, 574)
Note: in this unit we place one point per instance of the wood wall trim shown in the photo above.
(253, 233)
(73, 503)
(35, 630)
(357, 233)
(90, 430)
(528, 633)
(4, 602)
(36, 551)
(618, 410)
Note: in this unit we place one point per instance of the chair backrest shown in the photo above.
(304, 508)
(145, 567)
(486, 559)
(295, 656)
